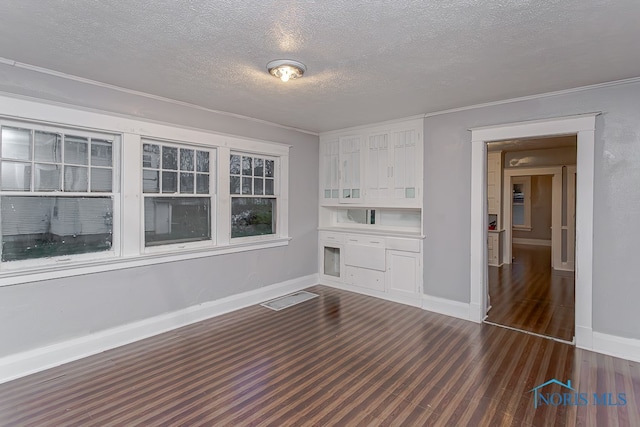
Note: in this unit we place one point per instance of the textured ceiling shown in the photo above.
(367, 61)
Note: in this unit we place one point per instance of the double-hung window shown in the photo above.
(254, 194)
(178, 188)
(58, 194)
(521, 202)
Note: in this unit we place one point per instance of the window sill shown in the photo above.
(15, 277)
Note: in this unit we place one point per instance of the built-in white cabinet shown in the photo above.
(370, 216)
(377, 166)
(349, 174)
(329, 169)
(494, 247)
(380, 265)
(403, 272)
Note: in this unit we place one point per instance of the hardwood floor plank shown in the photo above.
(340, 359)
(531, 296)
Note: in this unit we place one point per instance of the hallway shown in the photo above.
(530, 296)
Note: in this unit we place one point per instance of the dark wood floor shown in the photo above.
(340, 359)
(530, 295)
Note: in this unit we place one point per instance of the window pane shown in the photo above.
(41, 227)
(169, 182)
(252, 216)
(47, 147)
(202, 161)
(169, 158)
(101, 152)
(151, 156)
(176, 220)
(76, 178)
(268, 168)
(16, 176)
(47, 177)
(235, 185)
(76, 150)
(257, 186)
(186, 182)
(234, 165)
(101, 180)
(150, 181)
(258, 169)
(518, 193)
(202, 183)
(518, 215)
(246, 185)
(16, 143)
(246, 165)
(186, 159)
(268, 187)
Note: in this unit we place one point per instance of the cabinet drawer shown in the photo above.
(370, 257)
(370, 279)
(331, 237)
(375, 241)
(399, 244)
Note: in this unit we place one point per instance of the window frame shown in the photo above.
(525, 181)
(127, 244)
(114, 194)
(212, 195)
(275, 196)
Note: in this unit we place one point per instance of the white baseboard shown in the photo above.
(584, 337)
(533, 242)
(448, 307)
(625, 348)
(399, 297)
(39, 359)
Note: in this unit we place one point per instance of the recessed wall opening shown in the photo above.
(531, 235)
(583, 126)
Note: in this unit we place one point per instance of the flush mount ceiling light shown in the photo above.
(286, 69)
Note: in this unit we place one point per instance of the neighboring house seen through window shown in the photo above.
(57, 192)
(178, 190)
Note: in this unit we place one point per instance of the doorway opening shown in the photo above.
(583, 126)
(531, 237)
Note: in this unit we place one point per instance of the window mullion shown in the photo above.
(131, 229)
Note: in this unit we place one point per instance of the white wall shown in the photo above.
(616, 197)
(41, 313)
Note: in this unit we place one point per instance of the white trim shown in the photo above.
(537, 96)
(556, 210)
(532, 242)
(584, 126)
(39, 359)
(447, 307)
(625, 348)
(9, 278)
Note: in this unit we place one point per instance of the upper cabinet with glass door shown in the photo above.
(376, 166)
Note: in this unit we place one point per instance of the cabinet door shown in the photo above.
(378, 181)
(350, 167)
(493, 249)
(405, 160)
(330, 158)
(403, 272)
